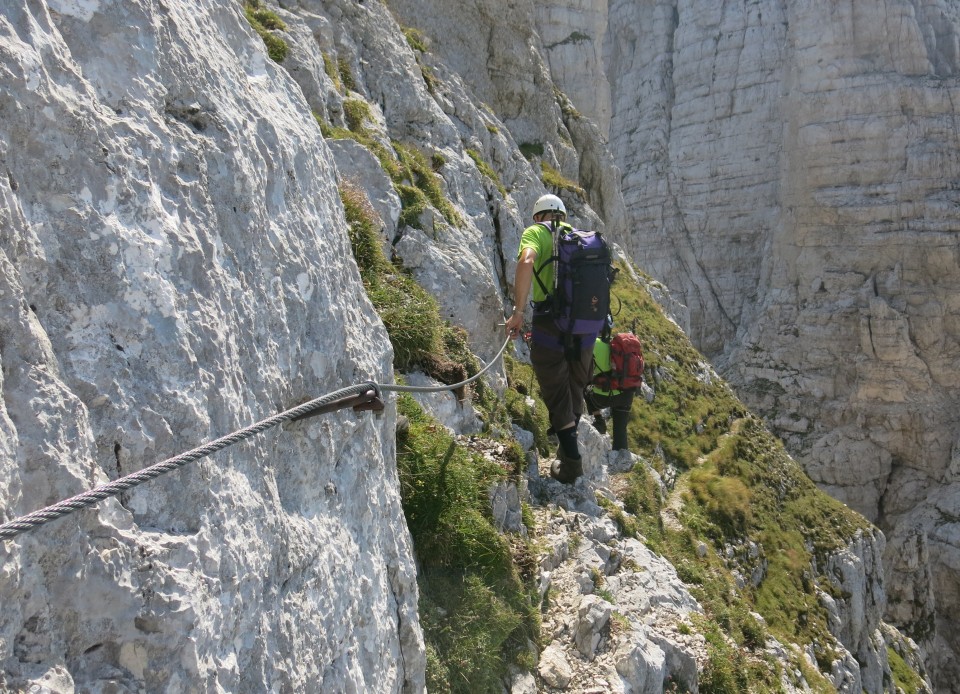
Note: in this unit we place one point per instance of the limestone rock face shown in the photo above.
(788, 170)
(500, 53)
(855, 617)
(171, 246)
(174, 265)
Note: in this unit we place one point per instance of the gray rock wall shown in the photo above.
(789, 172)
(175, 266)
(173, 254)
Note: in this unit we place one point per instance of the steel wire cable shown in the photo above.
(436, 389)
(86, 499)
(89, 498)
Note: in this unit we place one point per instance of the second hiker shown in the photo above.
(618, 373)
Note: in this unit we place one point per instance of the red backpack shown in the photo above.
(626, 364)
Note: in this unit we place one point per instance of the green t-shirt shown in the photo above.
(601, 358)
(538, 237)
(601, 355)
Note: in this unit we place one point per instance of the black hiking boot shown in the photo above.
(599, 423)
(565, 469)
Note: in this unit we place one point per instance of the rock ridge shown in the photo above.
(174, 256)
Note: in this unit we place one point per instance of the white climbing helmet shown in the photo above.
(549, 203)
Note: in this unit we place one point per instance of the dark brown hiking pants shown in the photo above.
(562, 381)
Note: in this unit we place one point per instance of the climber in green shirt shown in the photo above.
(562, 375)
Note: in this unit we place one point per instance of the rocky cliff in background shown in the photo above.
(790, 171)
(174, 253)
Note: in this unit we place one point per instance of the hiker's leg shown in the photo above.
(620, 414)
(551, 370)
(553, 375)
(595, 404)
(580, 372)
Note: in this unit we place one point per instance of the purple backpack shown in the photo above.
(580, 299)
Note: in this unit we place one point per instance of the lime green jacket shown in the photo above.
(601, 359)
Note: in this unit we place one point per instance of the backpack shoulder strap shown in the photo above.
(536, 276)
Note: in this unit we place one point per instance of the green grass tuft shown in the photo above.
(410, 314)
(726, 500)
(416, 39)
(264, 22)
(413, 174)
(416, 169)
(559, 183)
(531, 149)
(487, 170)
(642, 499)
(903, 675)
(725, 671)
(330, 68)
(346, 74)
(356, 112)
(476, 610)
(420, 45)
(524, 404)
(566, 106)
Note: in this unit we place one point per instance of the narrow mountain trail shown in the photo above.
(615, 614)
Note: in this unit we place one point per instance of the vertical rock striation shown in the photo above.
(172, 246)
(174, 266)
(790, 172)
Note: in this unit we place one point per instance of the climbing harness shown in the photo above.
(360, 397)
